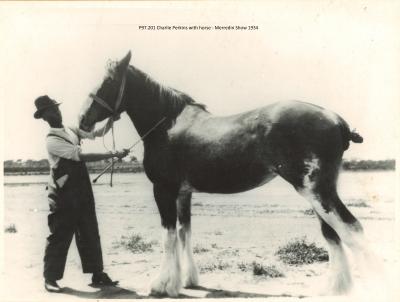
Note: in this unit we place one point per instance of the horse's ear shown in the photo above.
(124, 63)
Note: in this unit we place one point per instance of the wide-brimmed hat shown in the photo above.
(42, 103)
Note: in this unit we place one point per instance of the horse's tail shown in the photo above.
(355, 137)
(349, 135)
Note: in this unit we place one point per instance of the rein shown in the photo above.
(130, 148)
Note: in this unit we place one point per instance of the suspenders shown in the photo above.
(63, 138)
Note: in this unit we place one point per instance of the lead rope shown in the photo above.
(112, 158)
(130, 148)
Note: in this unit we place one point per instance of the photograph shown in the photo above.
(200, 150)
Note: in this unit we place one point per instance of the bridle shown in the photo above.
(101, 102)
(114, 114)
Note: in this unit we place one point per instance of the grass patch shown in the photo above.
(219, 265)
(300, 252)
(309, 212)
(244, 267)
(10, 229)
(258, 269)
(198, 249)
(361, 204)
(269, 271)
(136, 244)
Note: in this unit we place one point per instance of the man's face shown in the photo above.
(52, 115)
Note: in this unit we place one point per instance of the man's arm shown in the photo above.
(59, 147)
(94, 133)
(87, 157)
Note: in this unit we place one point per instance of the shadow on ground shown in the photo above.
(192, 293)
(220, 293)
(111, 292)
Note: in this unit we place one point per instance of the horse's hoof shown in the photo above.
(164, 289)
(340, 285)
(191, 281)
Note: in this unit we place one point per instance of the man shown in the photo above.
(72, 208)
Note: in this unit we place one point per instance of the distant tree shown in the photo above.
(389, 164)
(8, 163)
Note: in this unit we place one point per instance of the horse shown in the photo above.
(190, 150)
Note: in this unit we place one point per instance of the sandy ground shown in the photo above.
(228, 231)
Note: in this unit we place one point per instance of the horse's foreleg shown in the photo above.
(169, 280)
(190, 273)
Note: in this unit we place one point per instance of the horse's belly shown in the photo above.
(233, 179)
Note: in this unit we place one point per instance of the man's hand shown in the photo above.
(121, 154)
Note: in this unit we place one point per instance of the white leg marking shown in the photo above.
(340, 278)
(169, 280)
(340, 281)
(366, 262)
(190, 274)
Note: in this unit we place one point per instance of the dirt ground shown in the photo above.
(229, 233)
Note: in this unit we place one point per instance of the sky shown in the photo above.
(339, 55)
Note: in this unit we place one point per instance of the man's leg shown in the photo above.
(88, 242)
(61, 225)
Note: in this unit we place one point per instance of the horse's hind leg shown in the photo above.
(169, 280)
(319, 187)
(190, 274)
(340, 278)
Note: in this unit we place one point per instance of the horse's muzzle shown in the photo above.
(84, 125)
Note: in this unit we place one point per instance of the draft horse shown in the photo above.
(195, 151)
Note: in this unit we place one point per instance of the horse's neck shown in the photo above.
(143, 106)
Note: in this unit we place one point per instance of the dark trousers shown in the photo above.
(72, 213)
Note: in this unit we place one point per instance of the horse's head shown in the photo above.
(106, 101)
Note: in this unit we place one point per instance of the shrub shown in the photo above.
(136, 244)
(10, 229)
(300, 252)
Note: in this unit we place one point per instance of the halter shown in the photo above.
(103, 103)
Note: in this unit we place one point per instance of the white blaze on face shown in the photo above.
(86, 104)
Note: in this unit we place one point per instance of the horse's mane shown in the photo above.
(172, 101)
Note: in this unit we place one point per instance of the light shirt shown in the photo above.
(58, 148)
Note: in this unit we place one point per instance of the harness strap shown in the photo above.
(120, 94)
(101, 102)
(63, 138)
(118, 102)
